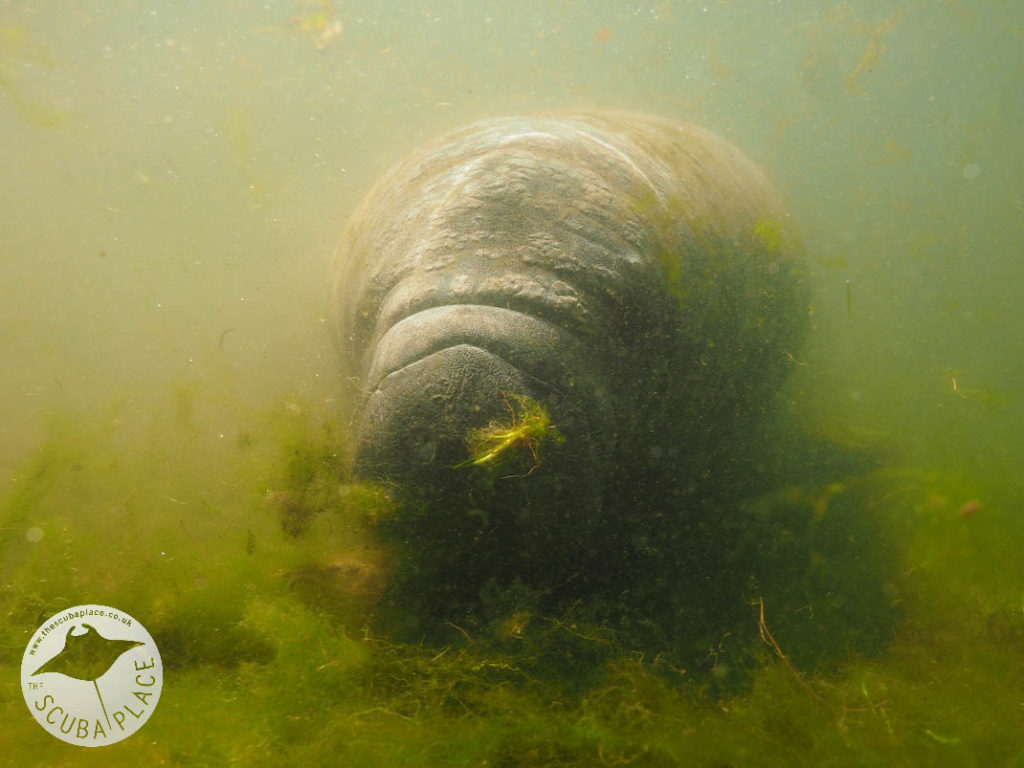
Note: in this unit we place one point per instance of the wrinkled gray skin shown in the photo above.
(636, 276)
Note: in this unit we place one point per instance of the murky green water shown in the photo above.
(178, 175)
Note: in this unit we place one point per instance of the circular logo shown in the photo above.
(91, 675)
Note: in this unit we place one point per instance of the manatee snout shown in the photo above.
(444, 373)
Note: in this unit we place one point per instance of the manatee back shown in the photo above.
(658, 246)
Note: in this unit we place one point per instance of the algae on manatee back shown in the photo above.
(769, 234)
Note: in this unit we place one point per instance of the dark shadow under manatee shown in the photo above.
(677, 576)
(673, 575)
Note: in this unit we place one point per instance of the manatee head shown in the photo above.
(631, 282)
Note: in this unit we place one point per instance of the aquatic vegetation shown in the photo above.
(527, 429)
(322, 27)
(268, 671)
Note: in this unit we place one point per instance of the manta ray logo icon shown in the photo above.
(87, 656)
(91, 675)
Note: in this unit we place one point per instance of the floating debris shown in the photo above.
(971, 171)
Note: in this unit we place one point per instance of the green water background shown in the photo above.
(177, 177)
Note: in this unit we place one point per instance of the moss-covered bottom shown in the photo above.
(259, 578)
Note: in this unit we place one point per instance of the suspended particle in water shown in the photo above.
(970, 508)
(971, 171)
(34, 534)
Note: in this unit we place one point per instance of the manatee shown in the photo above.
(634, 280)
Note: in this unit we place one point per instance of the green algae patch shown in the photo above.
(528, 427)
(769, 234)
(878, 620)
